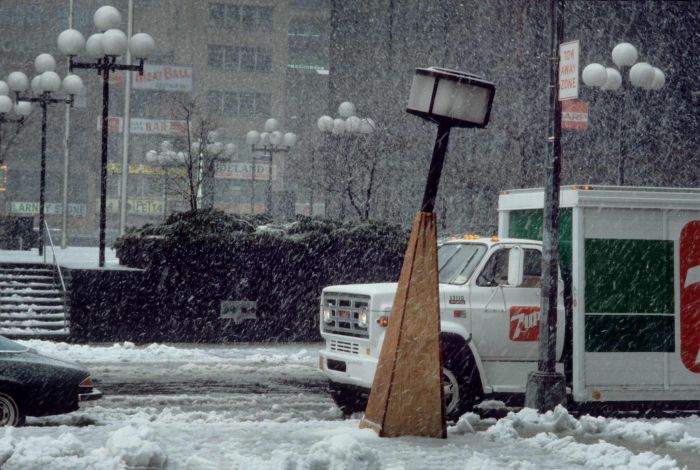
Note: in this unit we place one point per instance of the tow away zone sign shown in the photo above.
(568, 70)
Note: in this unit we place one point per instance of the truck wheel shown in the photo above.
(348, 400)
(461, 384)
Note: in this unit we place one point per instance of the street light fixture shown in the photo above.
(207, 154)
(43, 85)
(7, 105)
(165, 157)
(104, 47)
(348, 124)
(407, 396)
(641, 75)
(270, 141)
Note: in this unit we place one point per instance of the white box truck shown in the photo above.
(629, 304)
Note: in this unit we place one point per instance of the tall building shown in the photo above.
(220, 65)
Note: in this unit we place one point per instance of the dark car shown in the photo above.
(36, 385)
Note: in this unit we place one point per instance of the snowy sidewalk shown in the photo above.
(77, 257)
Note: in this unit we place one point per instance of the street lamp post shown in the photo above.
(206, 155)
(43, 85)
(165, 157)
(348, 124)
(104, 47)
(641, 75)
(270, 142)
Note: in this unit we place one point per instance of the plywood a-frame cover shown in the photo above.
(407, 393)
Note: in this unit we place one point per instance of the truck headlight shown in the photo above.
(326, 313)
(362, 318)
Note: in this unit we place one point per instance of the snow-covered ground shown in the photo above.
(266, 407)
(70, 257)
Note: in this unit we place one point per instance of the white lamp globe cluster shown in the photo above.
(271, 136)
(641, 74)
(166, 156)
(45, 81)
(21, 108)
(348, 122)
(109, 42)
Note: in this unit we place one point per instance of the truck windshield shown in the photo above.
(456, 261)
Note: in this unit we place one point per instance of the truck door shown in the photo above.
(505, 318)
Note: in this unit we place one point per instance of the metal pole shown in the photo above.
(621, 134)
(103, 161)
(42, 182)
(127, 127)
(546, 388)
(268, 198)
(252, 184)
(313, 181)
(436, 163)
(66, 157)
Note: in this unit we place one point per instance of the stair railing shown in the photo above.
(57, 269)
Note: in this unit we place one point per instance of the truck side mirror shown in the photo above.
(515, 266)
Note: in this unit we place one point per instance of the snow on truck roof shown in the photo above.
(623, 197)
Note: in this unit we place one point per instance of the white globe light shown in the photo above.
(290, 139)
(624, 54)
(230, 149)
(142, 45)
(5, 104)
(4, 89)
(93, 46)
(107, 17)
(594, 75)
(196, 147)
(35, 85)
(71, 42)
(50, 81)
(659, 79)
(346, 109)
(265, 138)
(338, 126)
(151, 156)
(276, 138)
(114, 42)
(325, 123)
(18, 81)
(367, 126)
(73, 84)
(212, 136)
(166, 146)
(23, 108)
(642, 75)
(180, 157)
(352, 124)
(217, 148)
(271, 125)
(252, 137)
(44, 63)
(614, 80)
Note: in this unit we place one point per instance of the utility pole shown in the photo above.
(546, 388)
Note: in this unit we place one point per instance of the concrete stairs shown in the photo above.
(32, 304)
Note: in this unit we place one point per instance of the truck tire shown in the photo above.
(461, 380)
(348, 399)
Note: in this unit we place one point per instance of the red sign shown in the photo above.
(524, 324)
(574, 114)
(690, 295)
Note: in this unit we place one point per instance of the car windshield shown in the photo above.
(10, 346)
(456, 261)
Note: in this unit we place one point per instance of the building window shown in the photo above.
(233, 104)
(244, 59)
(248, 17)
(308, 43)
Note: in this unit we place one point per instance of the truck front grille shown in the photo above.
(344, 314)
(344, 346)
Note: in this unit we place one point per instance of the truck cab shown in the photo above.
(489, 291)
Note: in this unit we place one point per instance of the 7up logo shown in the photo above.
(690, 295)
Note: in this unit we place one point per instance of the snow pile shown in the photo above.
(465, 424)
(135, 446)
(341, 452)
(40, 452)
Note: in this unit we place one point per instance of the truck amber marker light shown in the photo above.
(690, 295)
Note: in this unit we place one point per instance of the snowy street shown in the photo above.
(265, 407)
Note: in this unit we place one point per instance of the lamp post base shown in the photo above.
(545, 390)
